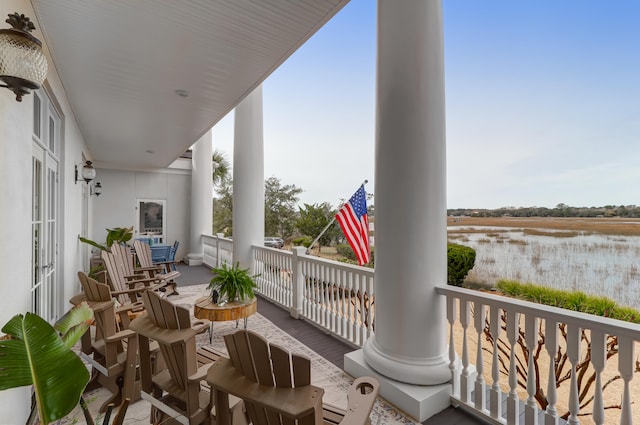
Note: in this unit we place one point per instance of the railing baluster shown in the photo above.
(370, 311)
(358, 310)
(332, 299)
(340, 327)
(626, 369)
(322, 293)
(305, 299)
(351, 309)
(316, 292)
(573, 351)
(531, 406)
(465, 379)
(598, 359)
(451, 318)
(551, 344)
(495, 395)
(513, 403)
(479, 317)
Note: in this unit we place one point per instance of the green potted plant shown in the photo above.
(115, 235)
(32, 352)
(232, 284)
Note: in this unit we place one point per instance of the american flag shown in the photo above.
(353, 220)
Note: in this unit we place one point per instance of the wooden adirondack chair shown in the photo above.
(149, 270)
(143, 252)
(122, 282)
(114, 348)
(176, 393)
(276, 386)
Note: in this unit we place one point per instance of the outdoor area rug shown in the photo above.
(324, 374)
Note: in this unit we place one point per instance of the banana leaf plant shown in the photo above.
(35, 353)
(115, 235)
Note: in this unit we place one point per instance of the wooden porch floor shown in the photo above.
(327, 346)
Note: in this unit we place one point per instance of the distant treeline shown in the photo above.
(561, 210)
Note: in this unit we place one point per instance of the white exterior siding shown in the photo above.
(116, 206)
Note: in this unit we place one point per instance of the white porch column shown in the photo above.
(409, 345)
(248, 178)
(201, 198)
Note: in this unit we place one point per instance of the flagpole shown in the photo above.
(325, 229)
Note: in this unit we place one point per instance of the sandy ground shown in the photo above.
(612, 393)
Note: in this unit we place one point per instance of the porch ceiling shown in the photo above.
(121, 63)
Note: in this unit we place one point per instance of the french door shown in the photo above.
(45, 296)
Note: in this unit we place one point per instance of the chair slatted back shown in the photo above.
(125, 258)
(164, 270)
(272, 366)
(94, 291)
(179, 355)
(170, 326)
(117, 369)
(117, 280)
(172, 256)
(143, 251)
(275, 386)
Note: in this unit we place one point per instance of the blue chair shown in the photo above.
(171, 257)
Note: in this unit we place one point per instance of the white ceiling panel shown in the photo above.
(121, 62)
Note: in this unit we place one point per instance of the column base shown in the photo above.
(419, 401)
(194, 259)
(428, 371)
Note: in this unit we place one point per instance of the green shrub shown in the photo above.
(570, 300)
(303, 241)
(460, 259)
(346, 251)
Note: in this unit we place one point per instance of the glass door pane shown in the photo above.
(36, 232)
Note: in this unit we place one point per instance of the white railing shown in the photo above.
(218, 250)
(528, 349)
(339, 297)
(275, 276)
(512, 361)
(335, 296)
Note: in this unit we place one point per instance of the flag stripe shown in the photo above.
(354, 223)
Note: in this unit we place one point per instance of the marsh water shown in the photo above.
(593, 263)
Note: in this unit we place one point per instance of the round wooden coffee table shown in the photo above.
(205, 308)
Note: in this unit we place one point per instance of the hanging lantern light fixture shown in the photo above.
(23, 66)
(87, 173)
(97, 189)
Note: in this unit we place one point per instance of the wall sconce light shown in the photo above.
(88, 172)
(96, 189)
(23, 66)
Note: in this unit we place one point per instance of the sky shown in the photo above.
(542, 105)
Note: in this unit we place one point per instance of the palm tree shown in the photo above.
(221, 169)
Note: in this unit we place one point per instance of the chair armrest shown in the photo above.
(118, 336)
(289, 402)
(128, 291)
(144, 281)
(361, 396)
(168, 262)
(130, 306)
(139, 275)
(200, 374)
(145, 269)
(200, 325)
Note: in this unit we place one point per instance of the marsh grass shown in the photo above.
(588, 261)
(517, 242)
(554, 234)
